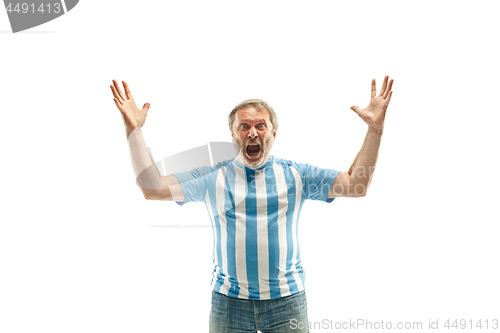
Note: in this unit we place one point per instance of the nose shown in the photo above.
(252, 134)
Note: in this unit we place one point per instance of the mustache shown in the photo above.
(253, 141)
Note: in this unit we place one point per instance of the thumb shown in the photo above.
(356, 109)
(145, 108)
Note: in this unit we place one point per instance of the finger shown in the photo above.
(374, 89)
(356, 109)
(388, 89)
(389, 98)
(127, 90)
(116, 91)
(118, 105)
(117, 87)
(116, 94)
(382, 91)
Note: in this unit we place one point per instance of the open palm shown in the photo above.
(132, 115)
(374, 114)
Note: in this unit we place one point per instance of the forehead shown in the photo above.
(252, 114)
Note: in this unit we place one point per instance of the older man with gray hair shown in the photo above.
(254, 202)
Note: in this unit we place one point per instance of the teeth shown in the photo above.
(253, 144)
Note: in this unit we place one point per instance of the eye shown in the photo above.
(262, 126)
(244, 126)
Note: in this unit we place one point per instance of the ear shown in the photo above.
(274, 133)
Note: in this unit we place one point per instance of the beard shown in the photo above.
(254, 162)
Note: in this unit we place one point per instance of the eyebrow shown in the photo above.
(249, 121)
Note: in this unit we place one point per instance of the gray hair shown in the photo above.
(257, 104)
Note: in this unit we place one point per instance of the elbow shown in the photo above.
(359, 190)
(359, 194)
(161, 195)
(364, 191)
(362, 194)
(147, 194)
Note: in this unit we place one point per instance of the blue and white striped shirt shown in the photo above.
(255, 214)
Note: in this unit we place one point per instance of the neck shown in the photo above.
(243, 161)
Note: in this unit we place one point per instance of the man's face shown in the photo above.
(252, 132)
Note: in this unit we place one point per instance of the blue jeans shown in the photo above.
(279, 315)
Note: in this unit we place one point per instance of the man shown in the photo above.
(254, 202)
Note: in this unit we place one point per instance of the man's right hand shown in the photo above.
(132, 116)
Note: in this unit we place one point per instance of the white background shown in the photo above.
(81, 250)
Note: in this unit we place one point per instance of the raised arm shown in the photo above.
(152, 184)
(356, 181)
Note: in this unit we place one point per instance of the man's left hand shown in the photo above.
(374, 114)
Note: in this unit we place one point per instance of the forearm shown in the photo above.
(146, 172)
(363, 167)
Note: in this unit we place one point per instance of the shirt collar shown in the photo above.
(267, 164)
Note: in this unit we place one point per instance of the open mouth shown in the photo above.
(253, 149)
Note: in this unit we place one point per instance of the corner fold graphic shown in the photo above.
(26, 14)
(70, 4)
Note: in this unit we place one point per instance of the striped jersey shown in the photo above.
(255, 215)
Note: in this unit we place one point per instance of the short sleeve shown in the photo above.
(316, 181)
(193, 184)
